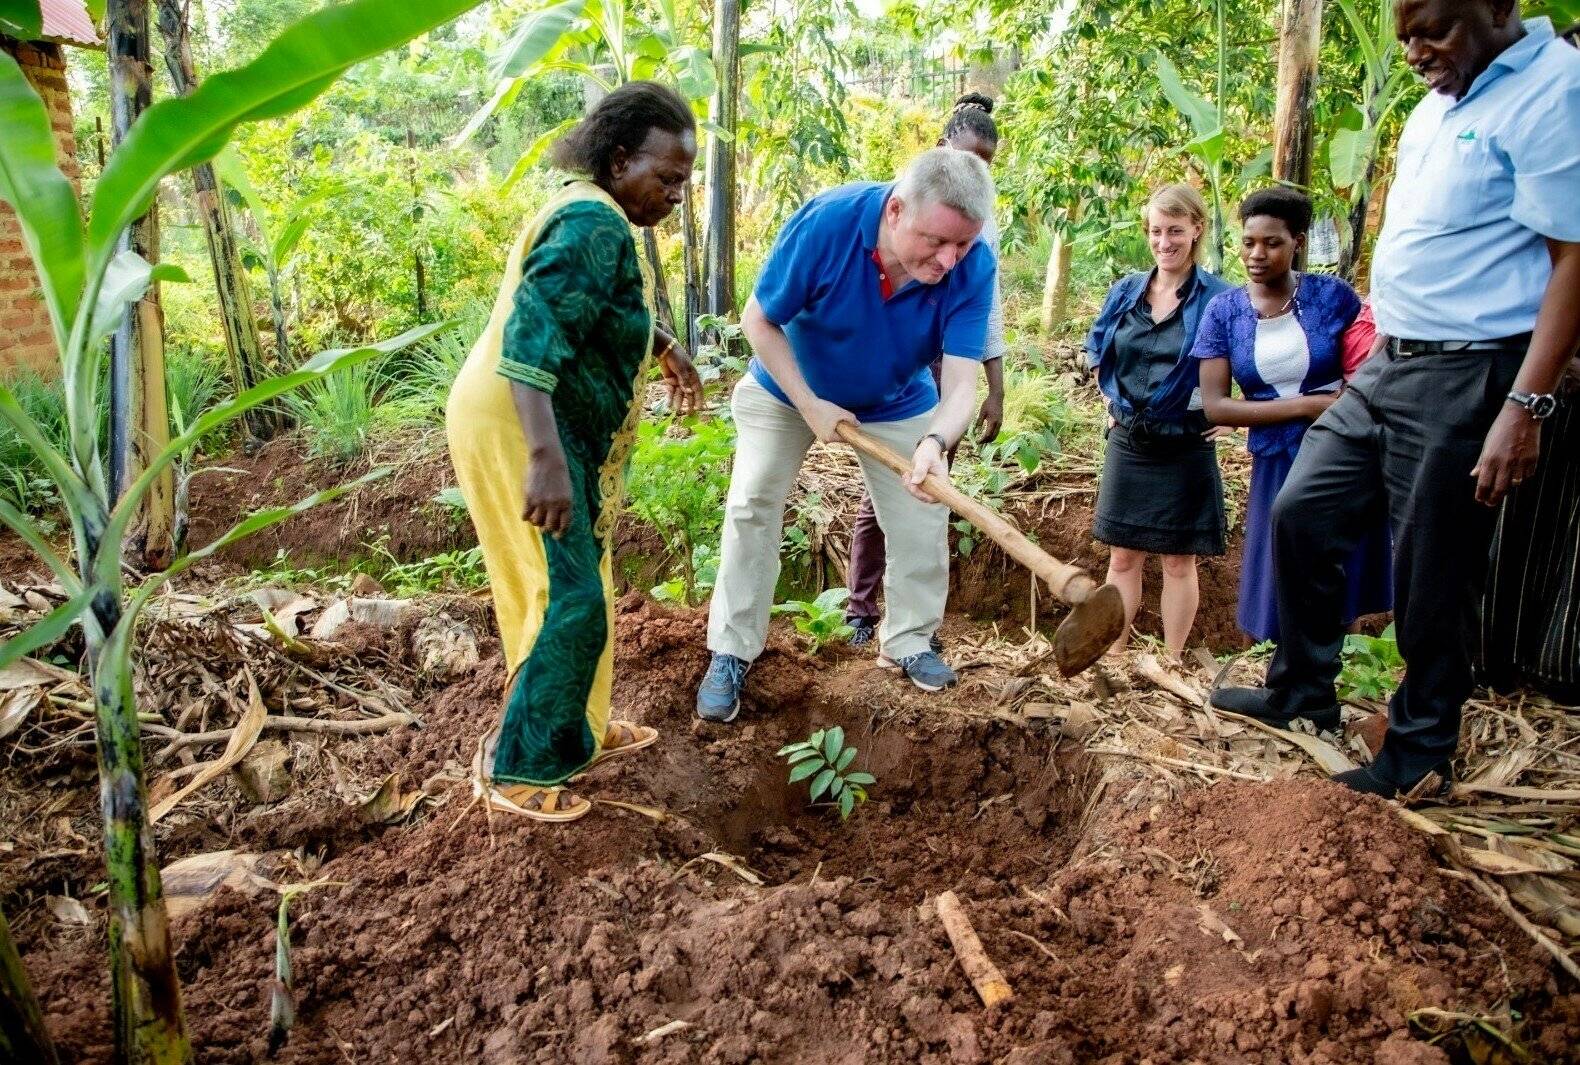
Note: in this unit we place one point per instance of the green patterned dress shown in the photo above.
(574, 323)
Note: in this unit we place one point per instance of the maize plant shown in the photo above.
(87, 285)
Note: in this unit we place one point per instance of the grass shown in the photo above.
(23, 482)
(337, 413)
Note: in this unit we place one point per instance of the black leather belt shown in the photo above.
(1454, 347)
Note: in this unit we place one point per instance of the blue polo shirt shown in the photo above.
(1481, 182)
(868, 354)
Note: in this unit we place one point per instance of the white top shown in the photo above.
(1282, 357)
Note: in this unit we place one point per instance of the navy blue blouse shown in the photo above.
(1324, 306)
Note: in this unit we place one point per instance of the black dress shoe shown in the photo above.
(1369, 781)
(1256, 702)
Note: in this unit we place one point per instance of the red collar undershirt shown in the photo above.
(885, 286)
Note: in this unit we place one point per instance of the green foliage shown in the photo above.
(418, 383)
(86, 283)
(337, 413)
(680, 472)
(24, 479)
(452, 571)
(820, 621)
(824, 759)
(1372, 666)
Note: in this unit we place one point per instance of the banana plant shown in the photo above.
(601, 42)
(280, 232)
(86, 287)
(1353, 146)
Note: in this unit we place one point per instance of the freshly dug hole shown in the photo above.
(539, 943)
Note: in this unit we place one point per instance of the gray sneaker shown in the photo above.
(719, 697)
(927, 671)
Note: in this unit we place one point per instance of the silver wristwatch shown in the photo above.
(1537, 405)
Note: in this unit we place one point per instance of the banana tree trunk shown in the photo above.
(139, 418)
(242, 342)
(145, 990)
(666, 313)
(693, 272)
(1294, 132)
(22, 1033)
(282, 343)
(720, 264)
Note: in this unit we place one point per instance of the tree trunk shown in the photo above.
(22, 1033)
(139, 420)
(666, 313)
(1299, 43)
(693, 271)
(282, 343)
(720, 265)
(1056, 285)
(242, 342)
(418, 268)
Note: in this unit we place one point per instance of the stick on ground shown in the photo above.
(983, 974)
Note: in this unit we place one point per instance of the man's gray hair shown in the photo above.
(953, 178)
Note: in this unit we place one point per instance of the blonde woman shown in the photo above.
(1161, 493)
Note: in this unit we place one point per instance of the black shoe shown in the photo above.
(864, 630)
(1256, 702)
(1369, 781)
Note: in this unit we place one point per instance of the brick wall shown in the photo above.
(25, 337)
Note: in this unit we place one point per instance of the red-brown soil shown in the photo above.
(398, 510)
(989, 584)
(445, 941)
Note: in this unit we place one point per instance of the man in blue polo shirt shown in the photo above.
(865, 288)
(1476, 284)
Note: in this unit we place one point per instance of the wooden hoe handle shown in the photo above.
(1070, 583)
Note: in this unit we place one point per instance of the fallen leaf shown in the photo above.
(190, 882)
(1212, 924)
(15, 706)
(68, 910)
(242, 738)
(734, 865)
(388, 803)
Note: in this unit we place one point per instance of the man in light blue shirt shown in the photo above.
(1476, 283)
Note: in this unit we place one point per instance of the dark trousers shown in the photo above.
(1405, 434)
(868, 557)
(864, 577)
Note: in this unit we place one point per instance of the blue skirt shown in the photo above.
(1368, 572)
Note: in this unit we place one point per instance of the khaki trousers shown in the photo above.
(771, 442)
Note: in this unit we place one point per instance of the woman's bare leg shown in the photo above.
(1181, 596)
(1124, 572)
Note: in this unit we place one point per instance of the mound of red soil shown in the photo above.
(398, 509)
(456, 940)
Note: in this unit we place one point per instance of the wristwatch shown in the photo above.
(1537, 405)
(943, 445)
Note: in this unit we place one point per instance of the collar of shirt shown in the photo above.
(885, 284)
(1513, 59)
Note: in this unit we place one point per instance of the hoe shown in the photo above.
(1097, 614)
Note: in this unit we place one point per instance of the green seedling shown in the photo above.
(824, 758)
(1372, 666)
(822, 620)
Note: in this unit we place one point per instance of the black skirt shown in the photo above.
(1162, 495)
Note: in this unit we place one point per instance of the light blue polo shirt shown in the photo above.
(1481, 181)
(867, 354)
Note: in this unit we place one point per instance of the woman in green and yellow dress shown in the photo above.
(540, 423)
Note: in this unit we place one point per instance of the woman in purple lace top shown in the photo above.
(1279, 338)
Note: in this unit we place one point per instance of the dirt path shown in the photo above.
(1285, 922)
